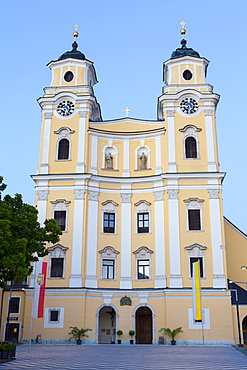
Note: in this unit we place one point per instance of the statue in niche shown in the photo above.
(109, 161)
(143, 159)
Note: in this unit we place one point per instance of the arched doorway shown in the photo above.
(244, 328)
(107, 325)
(144, 326)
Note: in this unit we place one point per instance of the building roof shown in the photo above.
(74, 53)
(184, 51)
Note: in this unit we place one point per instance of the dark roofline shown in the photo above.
(235, 227)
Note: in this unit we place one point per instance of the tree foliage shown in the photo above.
(22, 238)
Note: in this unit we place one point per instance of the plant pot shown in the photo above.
(131, 341)
(78, 341)
(119, 341)
(173, 342)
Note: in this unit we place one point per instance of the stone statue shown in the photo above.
(109, 161)
(143, 159)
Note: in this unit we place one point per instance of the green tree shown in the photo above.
(22, 238)
(2, 186)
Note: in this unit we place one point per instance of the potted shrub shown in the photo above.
(77, 333)
(131, 334)
(7, 350)
(172, 333)
(119, 333)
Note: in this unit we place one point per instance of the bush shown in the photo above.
(7, 347)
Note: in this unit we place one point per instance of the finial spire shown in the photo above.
(127, 111)
(76, 33)
(183, 30)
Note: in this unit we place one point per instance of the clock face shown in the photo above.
(189, 105)
(65, 108)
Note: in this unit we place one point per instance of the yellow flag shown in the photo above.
(197, 306)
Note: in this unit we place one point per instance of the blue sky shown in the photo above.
(128, 41)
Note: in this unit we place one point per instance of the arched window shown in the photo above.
(63, 149)
(190, 147)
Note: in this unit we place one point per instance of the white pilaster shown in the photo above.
(126, 170)
(44, 168)
(219, 279)
(125, 279)
(210, 140)
(94, 167)
(173, 214)
(91, 275)
(75, 280)
(160, 278)
(158, 168)
(80, 167)
(172, 166)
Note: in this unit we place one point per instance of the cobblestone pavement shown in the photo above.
(126, 357)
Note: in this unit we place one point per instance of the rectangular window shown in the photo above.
(60, 217)
(14, 305)
(143, 269)
(54, 315)
(108, 269)
(109, 223)
(57, 267)
(194, 259)
(194, 219)
(143, 222)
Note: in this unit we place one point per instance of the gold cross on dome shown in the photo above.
(127, 111)
(183, 30)
(76, 33)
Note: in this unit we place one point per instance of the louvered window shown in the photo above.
(190, 147)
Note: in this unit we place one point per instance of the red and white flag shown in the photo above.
(39, 289)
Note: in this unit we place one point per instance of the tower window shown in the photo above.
(143, 270)
(108, 267)
(63, 149)
(187, 75)
(194, 259)
(143, 222)
(68, 76)
(194, 219)
(190, 147)
(54, 315)
(109, 223)
(57, 267)
(60, 217)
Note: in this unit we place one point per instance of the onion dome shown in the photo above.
(74, 53)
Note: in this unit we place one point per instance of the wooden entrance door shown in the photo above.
(12, 332)
(144, 326)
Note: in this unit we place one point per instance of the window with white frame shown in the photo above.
(63, 150)
(109, 217)
(108, 263)
(194, 214)
(191, 142)
(57, 261)
(54, 317)
(60, 213)
(143, 263)
(143, 214)
(196, 252)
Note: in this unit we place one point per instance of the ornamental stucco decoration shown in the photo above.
(213, 193)
(43, 194)
(208, 112)
(170, 113)
(173, 193)
(159, 195)
(93, 195)
(79, 193)
(48, 115)
(125, 301)
(126, 197)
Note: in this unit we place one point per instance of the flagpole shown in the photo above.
(203, 340)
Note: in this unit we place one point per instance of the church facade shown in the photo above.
(138, 201)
